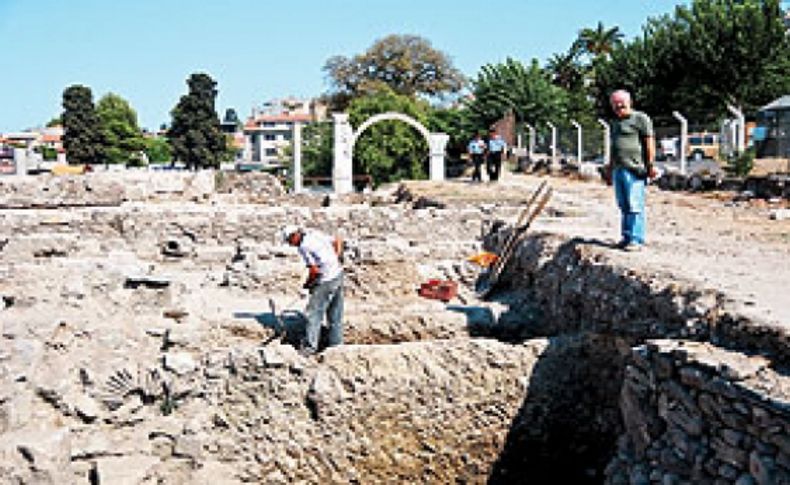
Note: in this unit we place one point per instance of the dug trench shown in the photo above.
(140, 348)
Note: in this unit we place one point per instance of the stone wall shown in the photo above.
(113, 188)
(710, 406)
(695, 413)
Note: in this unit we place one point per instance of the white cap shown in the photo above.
(286, 231)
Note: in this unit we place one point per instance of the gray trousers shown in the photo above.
(325, 299)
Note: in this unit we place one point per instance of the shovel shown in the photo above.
(488, 280)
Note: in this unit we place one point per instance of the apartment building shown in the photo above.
(268, 132)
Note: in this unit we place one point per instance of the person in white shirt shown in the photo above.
(320, 253)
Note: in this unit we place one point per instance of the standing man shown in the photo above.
(496, 150)
(477, 150)
(630, 167)
(320, 253)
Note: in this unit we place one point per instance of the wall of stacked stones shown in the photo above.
(710, 405)
(695, 413)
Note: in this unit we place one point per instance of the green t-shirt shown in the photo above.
(627, 137)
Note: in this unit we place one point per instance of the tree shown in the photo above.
(599, 41)
(527, 91)
(317, 156)
(194, 134)
(157, 150)
(407, 64)
(566, 70)
(706, 55)
(231, 117)
(389, 150)
(121, 136)
(54, 122)
(82, 136)
(454, 122)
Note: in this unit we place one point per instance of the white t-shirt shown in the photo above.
(317, 249)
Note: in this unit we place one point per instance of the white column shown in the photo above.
(578, 141)
(607, 142)
(684, 134)
(343, 166)
(437, 143)
(297, 152)
(741, 127)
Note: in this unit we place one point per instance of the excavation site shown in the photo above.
(150, 328)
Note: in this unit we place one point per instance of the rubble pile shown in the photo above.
(138, 345)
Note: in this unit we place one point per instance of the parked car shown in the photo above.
(702, 145)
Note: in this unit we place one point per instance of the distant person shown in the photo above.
(321, 254)
(477, 151)
(630, 167)
(496, 151)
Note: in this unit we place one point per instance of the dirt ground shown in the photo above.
(707, 238)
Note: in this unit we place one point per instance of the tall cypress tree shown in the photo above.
(82, 136)
(195, 133)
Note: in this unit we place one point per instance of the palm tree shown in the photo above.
(599, 41)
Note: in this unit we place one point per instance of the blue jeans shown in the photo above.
(630, 193)
(325, 299)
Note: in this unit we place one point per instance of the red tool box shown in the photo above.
(439, 290)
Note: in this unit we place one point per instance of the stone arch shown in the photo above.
(346, 137)
(391, 115)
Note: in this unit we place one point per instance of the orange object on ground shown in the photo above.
(484, 259)
(439, 290)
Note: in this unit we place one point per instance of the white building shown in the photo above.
(268, 132)
(267, 136)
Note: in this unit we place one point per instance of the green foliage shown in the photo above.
(194, 134)
(49, 154)
(157, 150)
(389, 150)
(527, 91)
(231, 117)
(406, 64)
(455, 123)
(742, 164)
(706, 55)
(82, 136)
(54, 122)
(317, 146)
(123, 141)
(566, 70)
(230, 152)
(599, 41)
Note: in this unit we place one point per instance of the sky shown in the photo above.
(258, 50)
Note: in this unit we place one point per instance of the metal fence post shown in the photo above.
(741, 127)
(607, 148)
(553, 144)
(684, 133)
(578, 141)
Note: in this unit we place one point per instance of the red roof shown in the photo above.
(47, 138)
(279, 118)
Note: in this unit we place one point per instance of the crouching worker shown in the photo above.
(321, 254)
